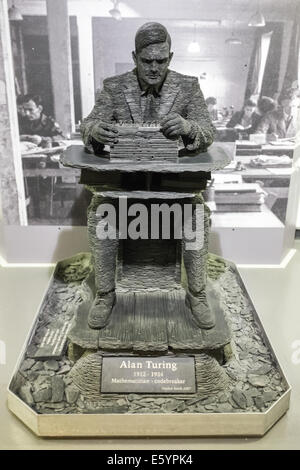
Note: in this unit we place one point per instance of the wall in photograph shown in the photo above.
(228, 49)
(224, 66)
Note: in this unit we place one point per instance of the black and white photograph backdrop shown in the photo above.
(244, 54)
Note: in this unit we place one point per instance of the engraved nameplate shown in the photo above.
(53, 342)
(148, 375)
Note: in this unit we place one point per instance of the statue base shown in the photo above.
(61, 388)
(155, 322)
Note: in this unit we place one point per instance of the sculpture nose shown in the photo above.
(154, 66)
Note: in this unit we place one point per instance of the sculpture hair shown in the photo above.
(151, 33)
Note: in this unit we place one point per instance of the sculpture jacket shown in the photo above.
(119, 101)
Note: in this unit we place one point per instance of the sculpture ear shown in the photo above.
(170, 56)
(134, 57)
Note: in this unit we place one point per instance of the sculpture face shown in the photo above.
(152, 63)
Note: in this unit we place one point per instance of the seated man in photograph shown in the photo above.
(149, 93)
(281, 123)
(243, 120)
(265, 105)
(212, 108)
(35, 126)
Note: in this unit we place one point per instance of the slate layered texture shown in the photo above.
(143, 143)
(245, 379)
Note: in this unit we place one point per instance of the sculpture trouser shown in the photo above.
(195, 259)
(105, 252)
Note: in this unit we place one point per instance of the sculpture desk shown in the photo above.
(150, 314)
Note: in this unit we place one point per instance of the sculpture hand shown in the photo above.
(174, 125)
(105, 133)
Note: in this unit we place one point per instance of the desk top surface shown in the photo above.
(279, 146)
(218, 156)
(272, 173)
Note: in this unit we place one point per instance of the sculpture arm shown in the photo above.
(202, 131)
(102, 111)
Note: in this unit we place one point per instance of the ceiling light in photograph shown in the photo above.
(194, 47)
(115, 12)
(14, 14)
(200, 23)
(233, 40)
(258, 19)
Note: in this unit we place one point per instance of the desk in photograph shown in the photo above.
(38, 168)
(248, 148)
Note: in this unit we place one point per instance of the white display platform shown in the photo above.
(114, 425)
(247, 237)
(41, 243)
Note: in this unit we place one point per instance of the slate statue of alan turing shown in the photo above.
(150, 92)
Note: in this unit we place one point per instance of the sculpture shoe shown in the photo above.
(201, 312)
(101, 309)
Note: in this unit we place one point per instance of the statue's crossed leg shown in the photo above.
(104, 256)
(195, 261)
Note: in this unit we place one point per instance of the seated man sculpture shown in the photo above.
(149, 93)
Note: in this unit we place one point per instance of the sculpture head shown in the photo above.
(152, 54)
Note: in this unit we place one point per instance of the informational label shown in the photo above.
(148, 375)
(53, 342)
